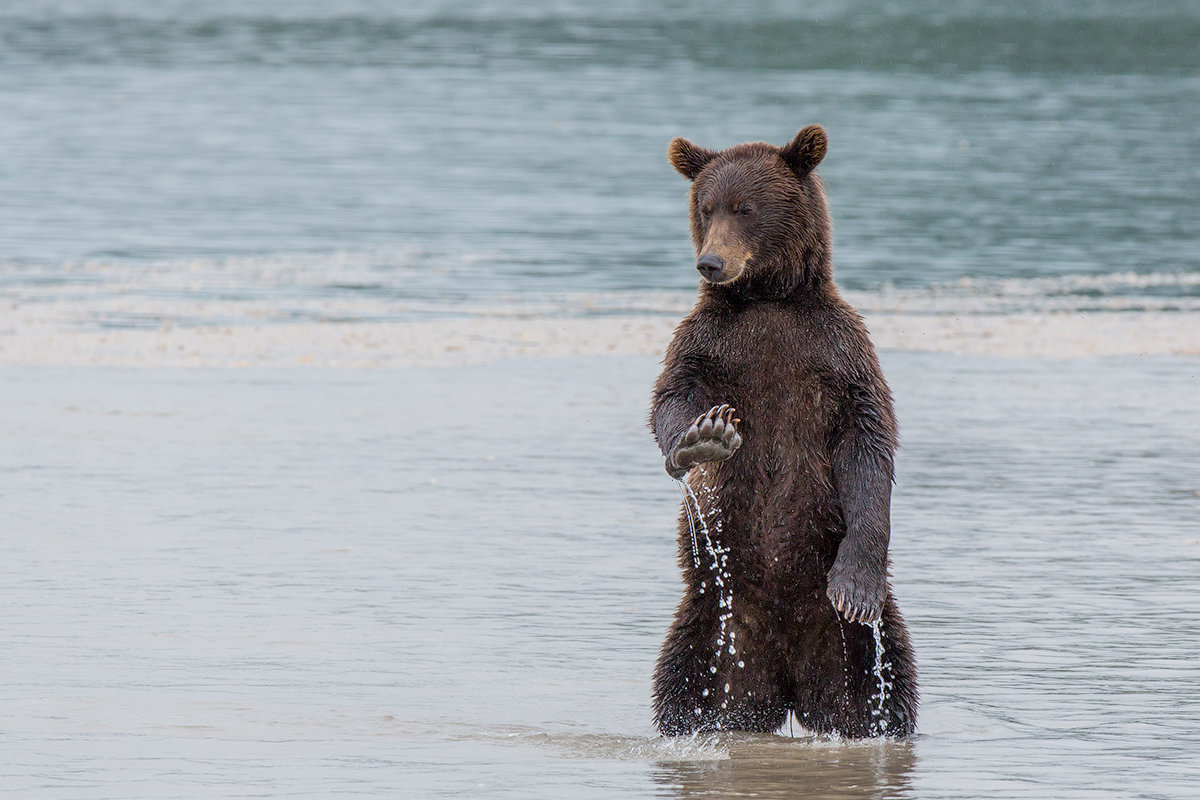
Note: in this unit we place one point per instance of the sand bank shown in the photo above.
(484, 339)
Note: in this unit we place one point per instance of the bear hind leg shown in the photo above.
(698, 690)
(841, 693)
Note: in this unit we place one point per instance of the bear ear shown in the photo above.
(687, 158)
(804, 152)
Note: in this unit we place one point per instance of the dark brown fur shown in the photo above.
(803, 505)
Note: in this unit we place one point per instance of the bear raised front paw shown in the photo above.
(713, 436)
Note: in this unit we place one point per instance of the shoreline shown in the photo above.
(486, 339)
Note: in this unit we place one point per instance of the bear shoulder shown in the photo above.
(847, 342)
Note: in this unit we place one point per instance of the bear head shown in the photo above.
(760, 221)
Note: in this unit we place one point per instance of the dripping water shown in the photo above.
(845, 655)
(879, 722)
(686, 491)
(720, 574)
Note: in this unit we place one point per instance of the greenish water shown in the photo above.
(478, 149)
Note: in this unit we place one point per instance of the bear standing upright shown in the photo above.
(790, 569)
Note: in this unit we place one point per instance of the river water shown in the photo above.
(326, 339)
(447, 582)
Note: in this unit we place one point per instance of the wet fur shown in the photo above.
(805, 501)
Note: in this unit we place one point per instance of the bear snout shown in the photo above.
(723, 255)
(710, 265)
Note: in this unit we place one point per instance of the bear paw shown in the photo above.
(856, 594)
(712, 437)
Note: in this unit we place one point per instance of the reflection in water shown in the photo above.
(772, 766)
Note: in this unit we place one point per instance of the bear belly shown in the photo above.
(779, 518)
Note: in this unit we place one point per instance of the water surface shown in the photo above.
(497, 150)
(444, 582)
(453, 581)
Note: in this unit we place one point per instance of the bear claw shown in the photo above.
(712, 436)
(856, 599)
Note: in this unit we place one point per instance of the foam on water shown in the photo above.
(619, 747)
(369, 308)
(399, 283)
(1119, 291)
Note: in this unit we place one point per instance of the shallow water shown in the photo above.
(474, 150)
(434, 582)
(239, 167)
(452, 579)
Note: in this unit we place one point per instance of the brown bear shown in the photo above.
(787, 605)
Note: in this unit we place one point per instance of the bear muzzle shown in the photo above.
(717, 268)
(723, 257)
(710, 266)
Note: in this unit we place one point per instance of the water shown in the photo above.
(689, 500)
(718, 569)
(311, 582)
(470, 149)
(879, 698)
(326, 339)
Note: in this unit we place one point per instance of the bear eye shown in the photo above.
(743, 209)
(706, 211)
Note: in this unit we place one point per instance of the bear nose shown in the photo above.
(710, 266)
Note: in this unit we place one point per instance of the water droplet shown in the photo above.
(687, 491)
(879, 699)
(718, 556)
